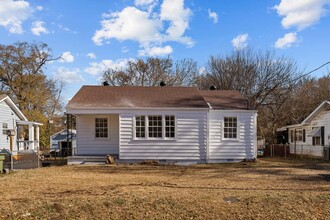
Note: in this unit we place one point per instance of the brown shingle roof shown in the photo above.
(137, 97)
(225, 99)
(111, 97)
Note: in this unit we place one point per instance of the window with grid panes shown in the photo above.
(4, 128)
(230, 128)
(140, 126)
(169, 126)
(155, 126)
(101, 127)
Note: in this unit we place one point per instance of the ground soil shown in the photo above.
(267, 189)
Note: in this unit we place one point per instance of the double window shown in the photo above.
(230, 128)
(101, 127)
(155, 126)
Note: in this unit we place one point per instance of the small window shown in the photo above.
(4, 128)
(169, 126)
(230, 128)
(140, 126)
(101, 127)
(316, 141)
(299, 135)
(291, 136)
(155, 126)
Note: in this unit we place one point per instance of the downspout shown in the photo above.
(207, 135)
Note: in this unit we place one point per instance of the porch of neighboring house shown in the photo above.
(27, 136)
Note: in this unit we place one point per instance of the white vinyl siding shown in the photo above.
(88, 144)
(7, 117)
(243, 147)
(189, 143)
(307, 148)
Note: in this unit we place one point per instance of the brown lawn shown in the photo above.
(268, 189)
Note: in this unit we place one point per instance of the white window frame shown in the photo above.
(4, 130)
(237, 128)
(146, 116)
(108, 128)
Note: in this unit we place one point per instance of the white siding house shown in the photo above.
(11, 118)
(310, 136)
(170, 124)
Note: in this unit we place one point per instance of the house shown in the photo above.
(63, 142)
(25, 133)
(310, 136)
(167, 124)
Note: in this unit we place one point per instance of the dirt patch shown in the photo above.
(263, 190)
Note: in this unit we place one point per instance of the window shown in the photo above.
(299, 135)
(155, 127)
(230, 127)
(169, 126)
(291, 136)
(316, 141)
(140, 126)
(101, 127)
(4, 128)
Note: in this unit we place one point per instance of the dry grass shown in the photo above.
(268, 189)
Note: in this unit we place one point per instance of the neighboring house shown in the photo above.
(310, 136)
(163, 123)
(26, 136)
(63, 142)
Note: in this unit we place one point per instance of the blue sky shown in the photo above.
(93, 35)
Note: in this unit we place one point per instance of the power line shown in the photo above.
(317, 68)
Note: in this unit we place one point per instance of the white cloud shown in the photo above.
(149, 4)
(39, 8)
(13, 14)
(174, 11)
(68, 75)
(63, 28)
(240, 42)
(129, 24)
(301, 13)
(286, 41)
(213, 16)
(91, 55)
(66, 57)
(98, 68)
(144, 2)
(156, 51)
(147, 27)
(38, 28)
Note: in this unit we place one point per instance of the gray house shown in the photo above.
(63, 142)
(26, 133)
(163, 123)
(312, 134)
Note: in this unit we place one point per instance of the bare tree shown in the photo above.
(152, 71)
(265, 79)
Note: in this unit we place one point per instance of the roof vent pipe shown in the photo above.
(162, 84)
(213, 87)
(105, 83)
